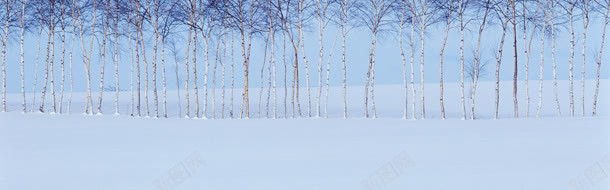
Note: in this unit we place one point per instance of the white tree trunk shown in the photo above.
(412, 64)
(584, 54)
(63, 59)
(571, 60)
(422, 61)
(498, 63)
(462, 86)
(599, 61)
(442, 58)
(542, 47)
(404, 61)
(344, 17)
(4, 44)
(22, 65)
(330, 56)
(555, 88)
(186, 73)
(116, 57)
(552, 7)
(103, 63)
(37, 62)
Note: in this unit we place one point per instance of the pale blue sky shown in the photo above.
(389, 65)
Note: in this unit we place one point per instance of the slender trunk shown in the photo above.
(4, 44)
(344, 52)
(116, 57)
(146, 79)
(442, 58)
(552, 7)
(477, 60)
(36, 68)
(103, 62)
(63, 58)
(571, 60)
(22, 65)
(302, 42)
(526, 51)
(584, 54)
(131, 65)
(262, 87)
(285, 77)
(186, 73)
(599, 61)
(516, 70)
(214, 80)
(206, 40)
(462, 86)
(404, 61)
(46, 75)
(232, 74)
(176, 72)
(542, 47)
(498, 63)
(330, 56)
(412, 64)
(422, 61)
(138, 76)
(196, 88)
(70, 72)
(223, 71)
(154, 67)
(52, 66)
(321, 23)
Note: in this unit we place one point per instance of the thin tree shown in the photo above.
(600, 55)
(22, 65)
(103, 55)
(555, 86)
(477, 57)
(542, 6)
(450, 8)
(585, 22)
(514, 22)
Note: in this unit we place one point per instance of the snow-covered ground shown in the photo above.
(75, 152)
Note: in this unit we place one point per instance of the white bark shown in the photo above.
(116, 57)
(412, 64)
(63, 57)
(103, 61)
(330, 56)
(584, 54)
(498, 63)
(302, 39)
(571, 60)
(552, 7)
(462, 86)
(477, 60)
(403, 59)
(4, 44)
(542, 47)
(422, 30)
(344, 17)
(186, 72)
(599, 61)
(442, 58)
(37, 62)
(22, 65)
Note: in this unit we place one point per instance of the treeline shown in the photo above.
(91, 27)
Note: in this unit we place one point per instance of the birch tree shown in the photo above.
(486, 6)
(374, 15)
(448, 9)
(599, 60)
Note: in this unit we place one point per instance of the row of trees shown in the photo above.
(96, 25)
